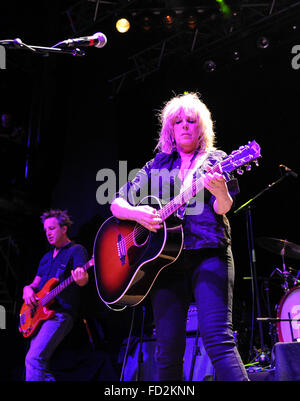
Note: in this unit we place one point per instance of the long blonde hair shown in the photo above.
(191, 104)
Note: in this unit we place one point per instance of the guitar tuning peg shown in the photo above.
(248, 167)
(256, 162)
(240, 171)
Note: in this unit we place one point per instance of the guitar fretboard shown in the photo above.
(186, 195)
(64, 284)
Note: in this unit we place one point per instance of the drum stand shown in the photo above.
(252, 256)
(284, 273)
(277, 320)
(272, 328)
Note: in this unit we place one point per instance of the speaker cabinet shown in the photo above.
(286, 358)
(197, 365)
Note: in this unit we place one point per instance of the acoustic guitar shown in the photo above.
(128, 257)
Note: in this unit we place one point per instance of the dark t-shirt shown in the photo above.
(69, 257)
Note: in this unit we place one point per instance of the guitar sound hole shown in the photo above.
(141, 235)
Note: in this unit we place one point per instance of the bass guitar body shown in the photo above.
(31, 318)
(128, 257)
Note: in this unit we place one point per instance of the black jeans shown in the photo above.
(208, 276)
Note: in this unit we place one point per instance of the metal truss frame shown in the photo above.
(213, 36)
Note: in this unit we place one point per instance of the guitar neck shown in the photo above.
(186, 195)
(64, 284)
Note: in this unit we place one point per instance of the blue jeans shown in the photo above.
(43, 345)
(206, 276)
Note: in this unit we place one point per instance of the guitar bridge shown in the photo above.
(121, 249)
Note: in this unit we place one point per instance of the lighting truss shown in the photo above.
(213, 35)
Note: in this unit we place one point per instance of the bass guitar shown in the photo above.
(128, 257)
(31, 317)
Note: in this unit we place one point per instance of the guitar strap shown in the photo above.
(189, 178)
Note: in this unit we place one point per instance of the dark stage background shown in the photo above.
(76, 124)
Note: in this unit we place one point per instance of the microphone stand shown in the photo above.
(139, 373)
(248, 208)
(17, 44)
(196, 351)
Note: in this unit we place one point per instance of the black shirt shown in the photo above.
(69, 257)
(203, 229)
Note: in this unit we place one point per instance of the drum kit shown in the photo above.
(288, 310)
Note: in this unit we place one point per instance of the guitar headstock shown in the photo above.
(242, 157)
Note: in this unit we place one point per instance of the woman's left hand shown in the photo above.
(216, 184)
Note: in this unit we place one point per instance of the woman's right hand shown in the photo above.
(148, 217)
(145, 215)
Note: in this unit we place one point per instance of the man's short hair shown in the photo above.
(61, 215)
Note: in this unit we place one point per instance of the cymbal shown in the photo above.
(280, 247)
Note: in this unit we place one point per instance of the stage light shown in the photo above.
(224, 7)
(123, 25)
(146, 23)
(263, 42)
(209, 66)
(168, 20)
(191, 21)
(236, 55)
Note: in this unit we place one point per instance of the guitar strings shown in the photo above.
(167, 210)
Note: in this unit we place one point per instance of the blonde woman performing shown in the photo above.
(204, 271)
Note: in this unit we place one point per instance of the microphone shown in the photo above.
(98, 40)
(289, 171)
